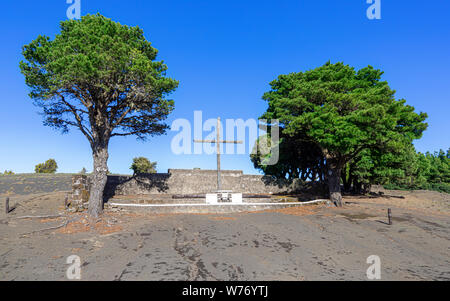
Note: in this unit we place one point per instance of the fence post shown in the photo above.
(390, 216)
(7, 206)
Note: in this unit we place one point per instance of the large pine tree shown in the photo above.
(102, 78)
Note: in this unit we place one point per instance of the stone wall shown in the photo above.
(193, 181)
(80, 189)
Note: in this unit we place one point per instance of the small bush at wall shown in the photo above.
(142, 165)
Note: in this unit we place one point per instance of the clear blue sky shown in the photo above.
(224, 53)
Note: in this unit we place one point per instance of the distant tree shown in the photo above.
(380, 166)
(433, 172)
(50, 166)
(100, 77)
(8, 173)
(399, 169)
(83, 171)
(142, 165)
(343, 112)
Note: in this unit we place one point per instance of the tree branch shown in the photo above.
(83, 129)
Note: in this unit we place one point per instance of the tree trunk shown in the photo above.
(99, 178)
(347, 181)
(334, 184)
(357, 186)
(347, 184)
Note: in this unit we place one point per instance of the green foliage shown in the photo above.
(142, 165)
(380, 166)
(101, 77)
(338, 121)
(429, 172)
(50, 166)
(8, 173)
(342, 110)
(298, 159)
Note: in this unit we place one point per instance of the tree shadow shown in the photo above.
(383, 222)
(273, 181)
(383, 195)
(11, 209)
(141, 182)
(306, 191)
(371, 195)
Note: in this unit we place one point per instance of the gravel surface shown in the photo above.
(307, 243)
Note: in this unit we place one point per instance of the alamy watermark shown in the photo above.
(74, 10)
(74, 270)
(253, 137)
(374, 10)
(374, 270)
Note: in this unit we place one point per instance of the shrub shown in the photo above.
(8, 173)
(142, 165)
(50, 166)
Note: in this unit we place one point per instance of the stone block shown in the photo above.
(211, 198)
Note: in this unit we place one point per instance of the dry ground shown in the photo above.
(304, 243)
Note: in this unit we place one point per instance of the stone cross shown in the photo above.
(218, 141)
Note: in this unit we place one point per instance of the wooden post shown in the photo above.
(390, 216)
(7, 206)
(219, 183)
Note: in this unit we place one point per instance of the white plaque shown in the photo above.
(211, 198)
(236, 198)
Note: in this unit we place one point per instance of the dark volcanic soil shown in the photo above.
(307, 243)
(35, 183)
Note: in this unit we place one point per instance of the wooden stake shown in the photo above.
(390, 216)
(7, 206)
(66, 200)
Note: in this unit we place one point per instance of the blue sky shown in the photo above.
(225, 53)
